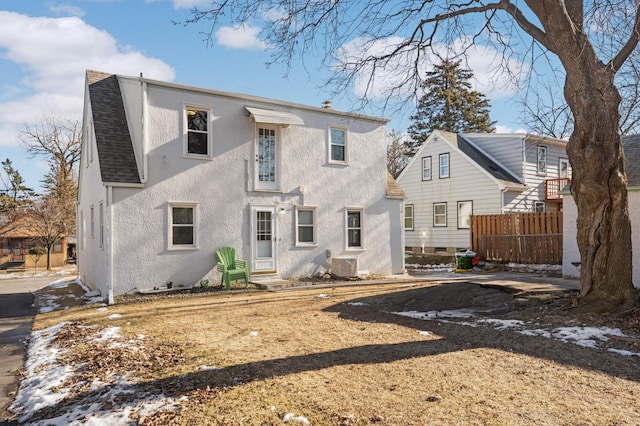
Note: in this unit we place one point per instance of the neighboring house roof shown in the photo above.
(482, 159)
(393, 189)
(631, 146)
(113, 140)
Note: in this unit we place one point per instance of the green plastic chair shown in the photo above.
(230, 267)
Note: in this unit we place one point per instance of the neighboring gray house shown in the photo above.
(170, 173)
(453, 176)
(570, 253)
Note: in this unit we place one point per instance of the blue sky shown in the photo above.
(46, 46)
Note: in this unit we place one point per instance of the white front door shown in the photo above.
(263, 236)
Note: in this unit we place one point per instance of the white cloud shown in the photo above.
(53, 54)
(62, 9)
(484, 61)
(240, 37)
(188, 4)
(506, 129)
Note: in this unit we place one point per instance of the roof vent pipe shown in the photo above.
(326, 105)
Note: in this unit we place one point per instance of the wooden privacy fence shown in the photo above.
(518, 237)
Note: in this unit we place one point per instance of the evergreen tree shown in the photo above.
(448, 104)
(15, 196)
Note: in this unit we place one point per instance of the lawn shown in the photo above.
(333, 356)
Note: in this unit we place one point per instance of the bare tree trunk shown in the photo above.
(599, 188)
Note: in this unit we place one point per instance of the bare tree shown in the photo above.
(50, 221)
(380, 46)
(545, 112)
(59, 142)
(397, 159)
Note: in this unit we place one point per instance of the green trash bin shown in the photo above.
(464, 259)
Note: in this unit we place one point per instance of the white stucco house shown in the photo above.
(170, 173)
(570, 252)
(453, 176)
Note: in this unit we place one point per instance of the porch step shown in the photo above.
(13, 267)
(270, 282)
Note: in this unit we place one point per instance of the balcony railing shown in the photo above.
(552, 187)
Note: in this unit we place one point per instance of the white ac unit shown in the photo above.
(346, 267)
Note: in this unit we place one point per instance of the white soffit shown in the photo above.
(273, 117)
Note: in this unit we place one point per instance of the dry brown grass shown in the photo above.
(339, 363)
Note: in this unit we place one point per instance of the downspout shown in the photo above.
(109, 243)
(524, 159)
(145, 111)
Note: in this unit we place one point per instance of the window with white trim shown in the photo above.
(408, 217)
(354, 229)
(444, 165)
(465, 210)
(426, 168)
(197, 141)
(101, 225)
(182, 220)
(338, 145)
(92, 219)
(542, 160)
(306, 226)
(439, 214)
(539, 206)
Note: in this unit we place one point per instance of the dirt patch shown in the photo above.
(345, 356)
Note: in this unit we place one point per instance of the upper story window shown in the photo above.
(338, 145)
(439, 214)
(444, 165)
(426, 168)
(182, 220)
(539, 206)
(306, 226)
(198, 134)
(408, 217)
(564, 169)
(542, 160)
(354, 229)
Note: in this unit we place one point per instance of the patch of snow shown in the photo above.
(624, 353)
(424, 333)
(322, 296)
(114, 316)
(205, 368)
(357, 304)
(109, 333)
(290, 417)
(253, 334)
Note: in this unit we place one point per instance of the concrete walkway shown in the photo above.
(16, 318)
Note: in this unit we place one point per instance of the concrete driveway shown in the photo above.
(16, 317)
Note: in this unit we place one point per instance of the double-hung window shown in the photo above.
(542, 160)
(354, 229)
(444, 165)
(465, 210)
(198, 132)
(305, 226)
(426, 168)
(182, 220)
(338, 145)
(408, 217)
(439, 214)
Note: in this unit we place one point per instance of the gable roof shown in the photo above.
(477, 158)
(393, 189)
(483, 160)
(113, 141)
(631, 146)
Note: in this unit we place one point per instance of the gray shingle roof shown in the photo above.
(495, 169)
(113, 141)
(631, 146)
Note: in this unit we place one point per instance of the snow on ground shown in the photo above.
(47, 382)
(44, 273)
(582, 336)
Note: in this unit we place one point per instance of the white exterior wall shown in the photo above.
(90, 257)
(466, 183)
(222, 187)
(570, 252)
